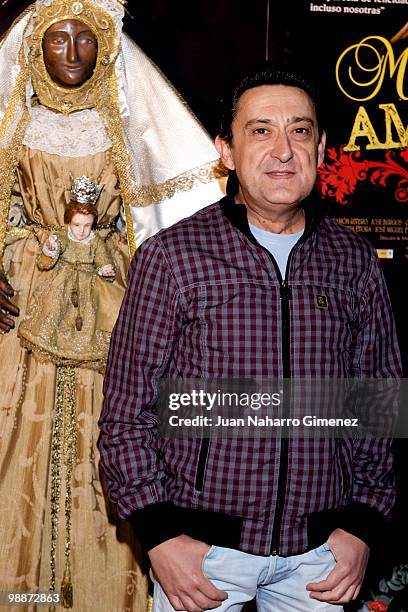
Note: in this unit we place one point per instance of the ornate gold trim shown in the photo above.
(19, 232)
(61, 228)
(56, 462)
(10, 153)
(130, 230)
(63, 454)
(24, 232)
(44, 356)
(108, 106)
(143, 196)
(70, 454)
(62, 99)
(9, 156)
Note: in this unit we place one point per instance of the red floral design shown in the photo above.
(338, 177)
(377, 606)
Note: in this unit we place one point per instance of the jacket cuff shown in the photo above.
(162, 521)
(359, 519)
(155, 524)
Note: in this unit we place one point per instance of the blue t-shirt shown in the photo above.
(279, 245)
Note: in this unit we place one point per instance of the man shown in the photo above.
(257, 285)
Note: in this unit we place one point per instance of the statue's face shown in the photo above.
(81, 225)
(70, 49)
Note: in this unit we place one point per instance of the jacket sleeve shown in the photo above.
(375, 359)
(141, 347)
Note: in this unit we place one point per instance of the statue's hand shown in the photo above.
(6, 306)
(106, 270)
(50, 248)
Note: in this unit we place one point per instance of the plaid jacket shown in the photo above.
(205, 300)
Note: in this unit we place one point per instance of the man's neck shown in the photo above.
(279, 220)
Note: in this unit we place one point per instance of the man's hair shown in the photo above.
(266, 73)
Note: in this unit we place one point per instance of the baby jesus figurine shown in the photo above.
(61, 319)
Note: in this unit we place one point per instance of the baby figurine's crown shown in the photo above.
(84, 190)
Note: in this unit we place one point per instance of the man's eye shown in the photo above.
(302, 130)
(260, 130)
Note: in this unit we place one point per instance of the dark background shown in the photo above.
(201, 44)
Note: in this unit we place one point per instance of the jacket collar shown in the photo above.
(237, 215)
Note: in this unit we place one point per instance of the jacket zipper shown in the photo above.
(285, 297)
(241, 222)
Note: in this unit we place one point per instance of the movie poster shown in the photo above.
(359, 51)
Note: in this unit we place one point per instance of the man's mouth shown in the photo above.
(280, 174)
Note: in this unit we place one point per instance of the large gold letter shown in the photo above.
(392, 117)
(363, 127)
(363, 67)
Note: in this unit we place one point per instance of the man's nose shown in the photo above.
(72, 53)
(282, 148)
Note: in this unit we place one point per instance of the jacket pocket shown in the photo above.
(202, 460)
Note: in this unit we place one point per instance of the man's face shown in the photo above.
(275, 148)
(70, 50)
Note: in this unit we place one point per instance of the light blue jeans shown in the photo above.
(278, 583)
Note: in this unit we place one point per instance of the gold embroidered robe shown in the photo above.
(105, 569)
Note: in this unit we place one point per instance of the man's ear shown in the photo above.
(321, 147)
(224, 151)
